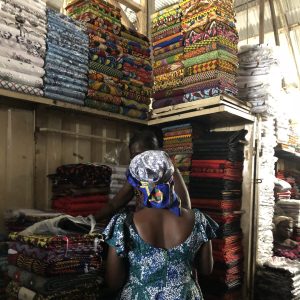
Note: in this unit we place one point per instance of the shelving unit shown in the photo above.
(217, 111)
(284, 153)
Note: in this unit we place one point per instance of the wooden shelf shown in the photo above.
(8, 95)
(215, 110)
(283, 153)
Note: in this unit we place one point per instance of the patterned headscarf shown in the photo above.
(151, 172)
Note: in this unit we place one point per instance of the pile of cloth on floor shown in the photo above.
(60, 258)
(278, 279)
(215, 188)
(177, 142)
(80, 189)
(3, 264)
(66, 62)
(22, 45)
(258, 78)
(19, 219)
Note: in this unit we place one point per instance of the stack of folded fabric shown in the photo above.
(167, 43)
(291, 208)
(66, 60)
(80, 189)
(3, 264)
(282, 128)
(266, 200)
(19, 219)
(103, 24)
(210, 48)
(22, 45)
(258, 78)
(278, 279)
(118, 179)
(137, 74)
(215, 188)
(55, 266)
(178, 144)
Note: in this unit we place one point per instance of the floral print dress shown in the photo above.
(157, 273)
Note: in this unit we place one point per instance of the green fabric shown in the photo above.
(217, 54)
(105, 70)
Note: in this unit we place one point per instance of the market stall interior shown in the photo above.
(218, 83)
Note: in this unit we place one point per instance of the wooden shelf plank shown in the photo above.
(282, 153)
(68, 106)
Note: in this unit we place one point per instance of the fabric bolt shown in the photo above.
(176, 28)
(105, 97)
(51, 68)
(168, 53)
(168, 101)
(21, 88)
(64, 84)
(169, 48)
(133, 113)
(168, 60)
(168, 68)
(102, 105)
(106, 70)
(104, 87)
(133, 104)
(64, 92)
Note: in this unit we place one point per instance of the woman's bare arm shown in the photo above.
(204, 259)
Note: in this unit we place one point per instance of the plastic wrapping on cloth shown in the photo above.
(62, 225)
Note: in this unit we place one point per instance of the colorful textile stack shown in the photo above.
(178, 144)
(167, 43)
(266, 198)
(66, 60)
(278, 279)
(103, 24)
(293, 143)
(118, 179)
(3, 264)
(55, 266)
(215, 188)
(19, 219)
(210, 48)
(291, 208)
(258, 79)
(137, 74)
(80, 189)
(292, 178)
(22, 45)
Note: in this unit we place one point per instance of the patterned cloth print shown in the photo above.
(168, 60)
(219, 39)
(168, 48)
(208, 75)
(21, 88)
(208, 92)
(133, 48)
(222, 83)
(104, 87)
(174, 29)
(102, 105)
(216, 54)
(66, 266)
(179, 73)
(105, 97)
(168, 68)
(211, 29)
(165, 12)
(47, 286)
(170, 41)
(168, 93)
(207, 48)
(167, 101)
(134, 38)
(168, 84)
(203, 17)
(90, 292)
(105, 70)
(135, 105)
(135, 33)
(169, 53)
(133, 113)
(217, 64)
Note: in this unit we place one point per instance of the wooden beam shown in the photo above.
(274, 22)
(261, 21)
(285, 24)
(142, 18)
(125, 20)
(132, 5)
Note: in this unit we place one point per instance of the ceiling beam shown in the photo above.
(132, 5)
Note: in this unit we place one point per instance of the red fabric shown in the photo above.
(216, 204)
(79, 202)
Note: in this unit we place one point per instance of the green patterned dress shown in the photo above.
(156, 273)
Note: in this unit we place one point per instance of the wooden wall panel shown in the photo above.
(16, 159)
(55, 149)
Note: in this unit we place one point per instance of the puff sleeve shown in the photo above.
(115, 234)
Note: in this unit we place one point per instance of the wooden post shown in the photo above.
(142, 18)
(274, 22)
(261, 21)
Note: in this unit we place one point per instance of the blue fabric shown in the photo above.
(169, 42)
(63, 98)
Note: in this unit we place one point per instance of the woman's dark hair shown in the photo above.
(145, 137)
